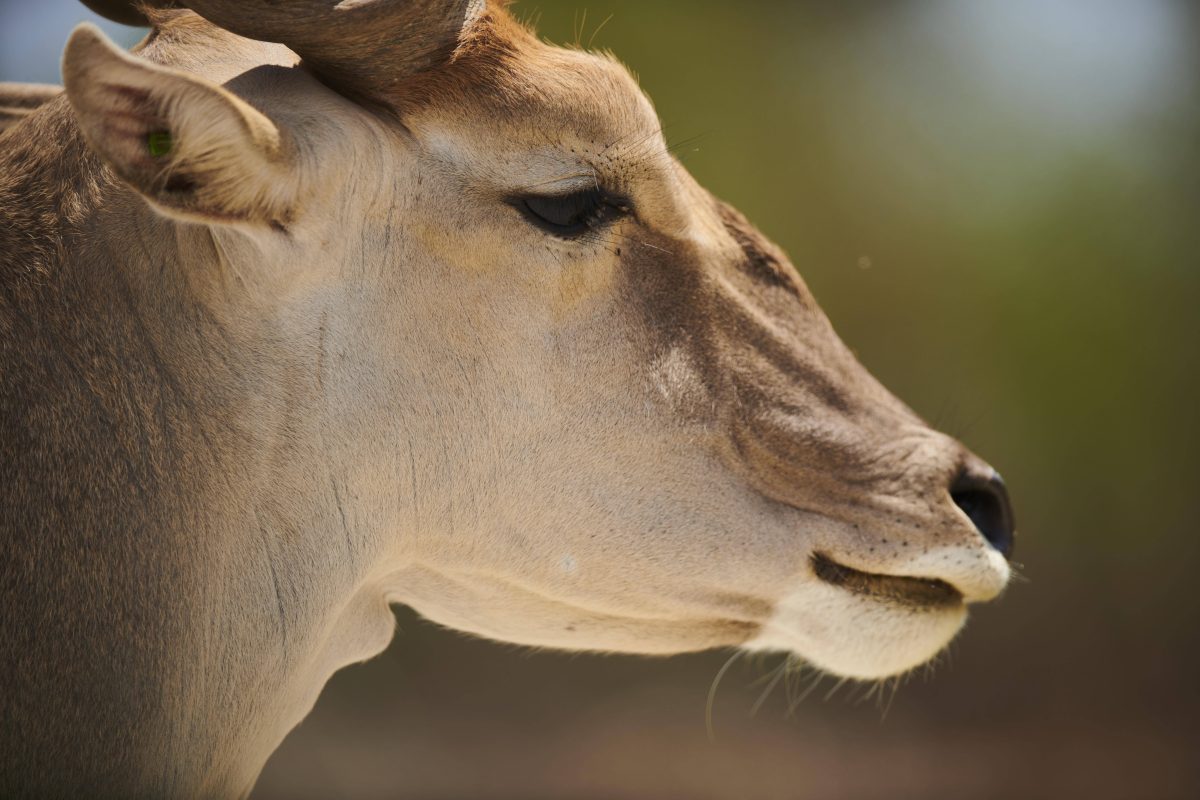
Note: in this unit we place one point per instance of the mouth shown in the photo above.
(917, 593)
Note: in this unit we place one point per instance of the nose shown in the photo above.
(981, 495)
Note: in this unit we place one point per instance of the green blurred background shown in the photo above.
(997, 204)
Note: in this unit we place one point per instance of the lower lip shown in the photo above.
(920, 593)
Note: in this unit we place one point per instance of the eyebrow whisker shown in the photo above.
(626, 237)
(673, 147)
(640, 140)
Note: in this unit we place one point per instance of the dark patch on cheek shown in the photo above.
(670, 305)
(762, 259)
(797, 358)
(787, 374)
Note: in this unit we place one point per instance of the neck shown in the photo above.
(161, 474)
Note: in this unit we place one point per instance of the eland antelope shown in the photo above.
(311, 307)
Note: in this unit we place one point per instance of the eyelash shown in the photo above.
(570, 215)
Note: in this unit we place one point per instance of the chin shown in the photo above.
(858, 636)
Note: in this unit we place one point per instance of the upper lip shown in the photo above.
(900, 589)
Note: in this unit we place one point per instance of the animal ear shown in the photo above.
(193, 149)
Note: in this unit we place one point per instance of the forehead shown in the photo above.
(515, 92)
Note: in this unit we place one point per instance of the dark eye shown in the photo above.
(570, 214)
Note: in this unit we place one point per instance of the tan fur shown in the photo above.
(337, 368)
(19, 100)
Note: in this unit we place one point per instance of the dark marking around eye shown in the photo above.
(570, 215)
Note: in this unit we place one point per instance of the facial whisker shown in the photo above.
(829, 695)
(640, 243)
(778, 672)
(891, 698)
(674, 146)
(816, 681)
(712, 694)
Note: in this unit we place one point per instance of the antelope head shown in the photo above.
(557, 392)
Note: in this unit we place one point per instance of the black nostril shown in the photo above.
(984, 500)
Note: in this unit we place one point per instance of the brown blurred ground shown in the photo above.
(997, 204)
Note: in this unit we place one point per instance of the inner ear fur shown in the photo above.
(194, 149)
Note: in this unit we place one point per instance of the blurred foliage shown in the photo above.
(996, 203)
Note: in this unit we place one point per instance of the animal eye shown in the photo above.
(570, 214)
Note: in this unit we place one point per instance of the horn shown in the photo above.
(370, 46)
(122, 11)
